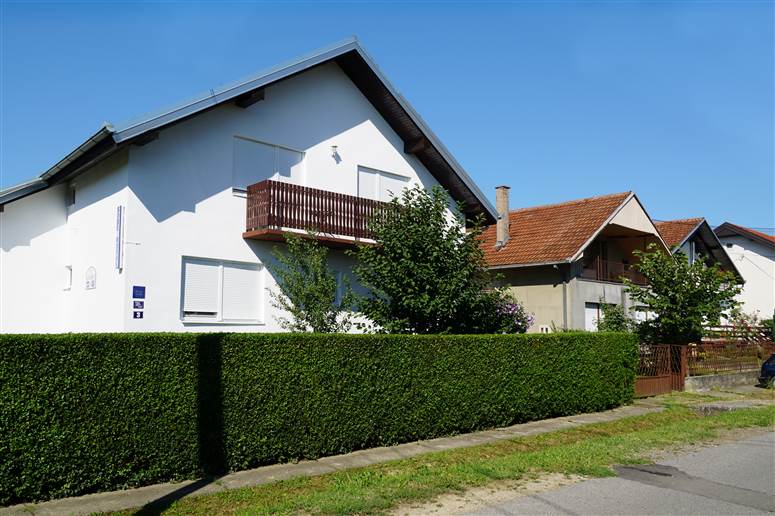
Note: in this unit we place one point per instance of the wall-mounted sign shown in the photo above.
(91, 278)
(138, 305)
(137, 314)
(138, 292)
(120, 237)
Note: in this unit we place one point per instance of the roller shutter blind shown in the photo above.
(222, 291)
(200, 291)
(241, 292)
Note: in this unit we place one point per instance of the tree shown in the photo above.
(427, 273)
(308, 288)
(614, 318)
(683, 297)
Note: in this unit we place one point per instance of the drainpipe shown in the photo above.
(564, 278)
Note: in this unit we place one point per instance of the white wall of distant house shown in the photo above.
(756, 263)
(182, 200)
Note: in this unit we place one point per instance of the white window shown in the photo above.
(68, 277)
(379, 185)
(255, 161)
(221, 291)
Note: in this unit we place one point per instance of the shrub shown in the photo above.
(308, 288)
(427, 273)
(83, 413)
(516, 318)
(684, 297)
(614, 318)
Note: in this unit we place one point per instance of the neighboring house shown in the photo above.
(753, 253)
(563, 260)
(696, 239)
(143, 227)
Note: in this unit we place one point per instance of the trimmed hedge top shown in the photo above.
(91, 412)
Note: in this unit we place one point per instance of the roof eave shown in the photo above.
(688, 235)
(534, 264)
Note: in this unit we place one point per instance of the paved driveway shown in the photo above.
(734, 478)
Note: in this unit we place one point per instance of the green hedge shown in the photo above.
(83, 413)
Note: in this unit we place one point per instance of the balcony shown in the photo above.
(606, 270)
(274, 208)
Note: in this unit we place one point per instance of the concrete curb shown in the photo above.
(165, 494)
(721, 381)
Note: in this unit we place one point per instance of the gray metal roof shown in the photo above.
(353, 60)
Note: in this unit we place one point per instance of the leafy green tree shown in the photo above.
(427, 273)
(683, 297)
(614, 318)
(308, 288)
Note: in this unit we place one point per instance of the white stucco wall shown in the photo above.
(179, 199)
(32, 264)
(756, 263)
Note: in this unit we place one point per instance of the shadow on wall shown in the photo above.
(30, 217)
(193, 161)
(212, 448)
(26, 219)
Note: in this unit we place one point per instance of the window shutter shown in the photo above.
(253, 162)
(200, 294)
(241, 292)
(367, 184)
(390, 186)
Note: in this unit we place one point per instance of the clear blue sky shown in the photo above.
(559, 100)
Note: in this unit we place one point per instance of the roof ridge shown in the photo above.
(750, 230)
(573, 201)
(675, 221)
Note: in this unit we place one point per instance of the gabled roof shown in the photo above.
(356, 64)
(553, 233)
(675, 232)
(729, 229)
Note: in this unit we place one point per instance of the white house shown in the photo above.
(753, 253)
(143, 226)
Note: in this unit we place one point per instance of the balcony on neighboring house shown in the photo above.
(607, 270)
(274, 208)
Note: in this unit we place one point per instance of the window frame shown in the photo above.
(218, 317)
(379, 173)
(276, 147)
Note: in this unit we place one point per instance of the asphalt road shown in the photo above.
(734, 478)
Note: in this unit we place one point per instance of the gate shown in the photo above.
(661, 369)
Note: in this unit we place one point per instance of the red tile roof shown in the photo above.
(727, 227)
(551, 233)
(675, 231)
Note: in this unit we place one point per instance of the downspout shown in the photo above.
(563, 276)
(565, 300)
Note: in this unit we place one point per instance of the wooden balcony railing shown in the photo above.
(274, 206)
(607, 270)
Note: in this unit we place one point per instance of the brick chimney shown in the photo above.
(502, 207)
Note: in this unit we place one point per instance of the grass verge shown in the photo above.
(589, 450)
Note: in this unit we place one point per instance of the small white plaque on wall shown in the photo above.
(91, 278)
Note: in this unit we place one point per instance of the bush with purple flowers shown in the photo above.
(515, 318)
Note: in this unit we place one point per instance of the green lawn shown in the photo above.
(588, 450)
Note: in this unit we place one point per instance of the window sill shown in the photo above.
(197, 322)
